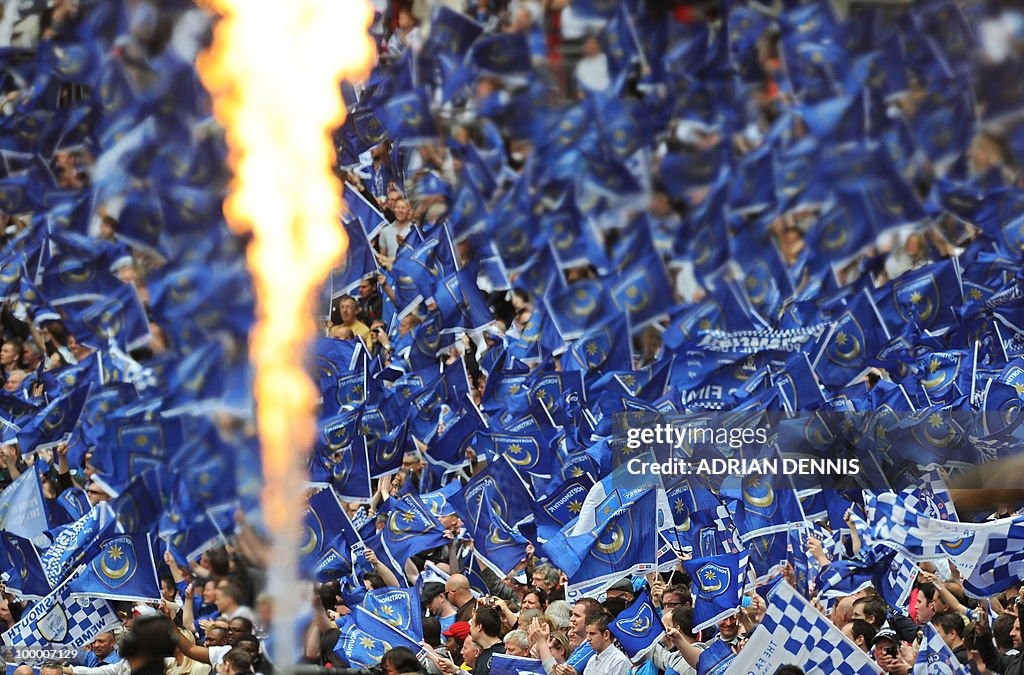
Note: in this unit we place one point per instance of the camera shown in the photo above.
(891, 651)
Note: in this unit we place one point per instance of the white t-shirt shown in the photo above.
(217, 654)
(592, 73)
(389, 235)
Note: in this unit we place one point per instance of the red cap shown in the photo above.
(459, 630)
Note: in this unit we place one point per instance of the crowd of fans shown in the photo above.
(221, 617)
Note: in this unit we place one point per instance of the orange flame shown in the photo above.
(274, 70)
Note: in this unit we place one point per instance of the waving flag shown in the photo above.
(76, 542)
(499, 545)
(123, 569)
(856, 336)
(717, 659)
(498, 485)
(53, 424)
(718, 584)
(22, 511)
(451, 32)
(604, 348)
(364, 639)
(397, 607)
(638, 626)
(327, 530)
(795, 633)
(934, 656)
(504, 54)
(409, 529)
(987, 554)
(367, 215)
(21, 568)
(59, 619)
(642, 290)
(622, 544)
(561, 505)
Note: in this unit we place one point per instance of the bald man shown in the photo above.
(456, 590)
(842, 613)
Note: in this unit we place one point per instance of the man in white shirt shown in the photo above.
(392, 236)
(229, 601)
(608, 659)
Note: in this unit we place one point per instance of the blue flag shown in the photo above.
(619, 41)
(582, 306)
(371, 220)
(119, 318)
(856, 336)
(123, 569)
(461, 303)
(327, 531)
(623, 544)
(409, 529)
(638, 626)
(397, 607)
(22, 510)
(53, 424)
(605, 347)
(451, 32)
(331, 359)
(498, 485)
(77, 268)
(360, 262)
(76, 542)
(22, 570)
(716, 659)
(498, 544)
(643, 291)
(718, 584)
(503, 54)
(364, 639)
(407, 116)
(504, 664)
(561, 505)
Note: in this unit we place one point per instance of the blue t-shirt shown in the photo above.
(446, 622)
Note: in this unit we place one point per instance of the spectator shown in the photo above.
(434, 600)
(395, 234)
(348, 313)
(608, 659)
(229, 599)
(456, 589)
(370, 301)
(485, 627)
(861, 632)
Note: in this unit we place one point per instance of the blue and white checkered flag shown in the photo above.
(795, 633)
(935, 658)
(59, 619)
(990, 555)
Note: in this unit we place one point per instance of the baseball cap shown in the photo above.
(458, 630)
(885, 633)
(431, 590)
